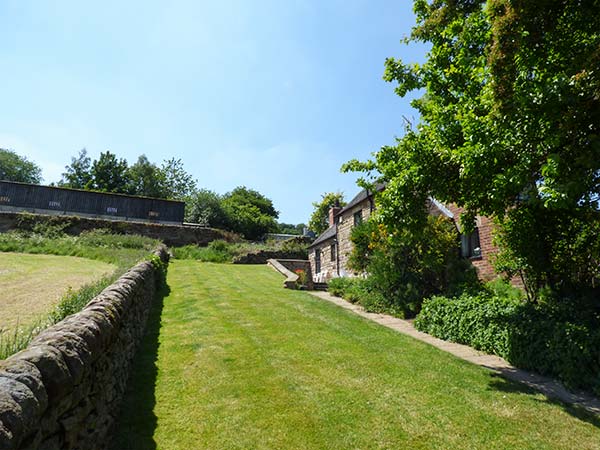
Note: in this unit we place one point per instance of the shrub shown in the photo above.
(552, 339)
(339, 286)
(406, 267)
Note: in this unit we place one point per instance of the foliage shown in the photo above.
(553, 339)
(221, 251)
(122, 250)
(319, 219)
(302, 278)
(217, 251)
(109, 174)
(510, 115)
(179, 184)
(147, 179)
(205, 207)
(249, 213)
(405, 267)
(293, 246)
(564, 254)
(290, 228)
(14, 167)
(78, 174)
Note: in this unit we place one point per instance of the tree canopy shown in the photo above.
(509, 118)
(14, 167)
(250, 213)
(319, 219)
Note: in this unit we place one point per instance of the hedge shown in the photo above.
(556, 340)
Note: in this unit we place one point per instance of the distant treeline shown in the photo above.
(242, 210)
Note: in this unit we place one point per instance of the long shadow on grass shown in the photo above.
(502, 384)
(137, 422)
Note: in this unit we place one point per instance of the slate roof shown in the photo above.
(361, 196)
(329, 233)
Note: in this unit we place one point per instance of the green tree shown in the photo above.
(205, 208)
(14, 167)
(109, 174)
(179, 184)
(78, 174)
(249, 213)
(147, 179)
(319, 219)
(290, 228)
(510, 118)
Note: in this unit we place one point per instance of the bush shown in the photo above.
(553, 339)
(406, 267)
(339, 286)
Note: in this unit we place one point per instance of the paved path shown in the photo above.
(547, 386)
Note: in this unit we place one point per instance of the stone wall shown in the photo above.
(171, 235)
(288, 268)
(64, 390)
(328, 255)
(262, 256)
(344, 227)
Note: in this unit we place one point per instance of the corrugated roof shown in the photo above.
(326, 235)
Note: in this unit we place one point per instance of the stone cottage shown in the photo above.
(329, 253)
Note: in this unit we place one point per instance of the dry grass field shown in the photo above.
(31, 284)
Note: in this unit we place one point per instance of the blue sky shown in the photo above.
(273, 95)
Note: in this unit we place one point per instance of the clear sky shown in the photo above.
(272, 94)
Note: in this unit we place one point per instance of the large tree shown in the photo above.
(319, 219)
(109, 174)
(205, 208)
(249, 213)
(14, 167)
(78, 174)
(510, 116)
(147, 179)
(179, 184)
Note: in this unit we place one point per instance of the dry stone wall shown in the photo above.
(171, 235)
(64, 390)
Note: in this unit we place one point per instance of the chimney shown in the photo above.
(332, 213)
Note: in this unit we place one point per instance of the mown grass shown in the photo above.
(236, 362)
(31, 284)
(120, 251)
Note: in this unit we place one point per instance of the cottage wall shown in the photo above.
(485, 227)
(328, 265)
(345, 225)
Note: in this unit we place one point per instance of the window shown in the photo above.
(469, 245)
(358, 218)
(332, 250)
(317, 260)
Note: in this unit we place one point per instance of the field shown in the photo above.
(30, 285)
(232, 360)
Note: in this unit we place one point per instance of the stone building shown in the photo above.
(329, 253)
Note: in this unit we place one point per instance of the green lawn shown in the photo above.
(236, 361)
(30, 285)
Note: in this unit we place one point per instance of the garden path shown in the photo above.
(547, 386)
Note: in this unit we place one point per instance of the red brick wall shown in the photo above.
(484, 267)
